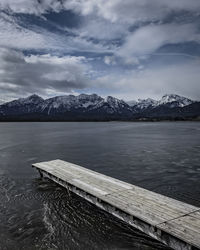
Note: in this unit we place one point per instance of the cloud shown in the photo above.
(30, 6)
(131, 11)
(182, 78)
(148, 39)
(52, 75)
(117, 39)
(43, 74)
(32, 37)
(14, 36)
(109, 60)
(106, 26)
(113, 10)
(101, 29)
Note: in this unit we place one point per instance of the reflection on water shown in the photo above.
(38, 214)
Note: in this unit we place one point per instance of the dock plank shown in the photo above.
(173, 218)
(149, 210)
(187, 227)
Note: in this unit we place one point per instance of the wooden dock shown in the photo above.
(172, 222)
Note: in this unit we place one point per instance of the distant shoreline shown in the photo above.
(117, 120)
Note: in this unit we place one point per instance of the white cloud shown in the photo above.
(99, 28)
(131, 11)
(109, 60)
(14, 36)
(181, 78)
(114, 10)
(149, 38)
(30, 6)
(106, 20)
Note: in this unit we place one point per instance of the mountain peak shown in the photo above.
(113, 100)
(34, 97)
(145, 103)
(87, 97)
(93, 106)
(171, 96)
(175, 100)
(116, 104)
(110, 98)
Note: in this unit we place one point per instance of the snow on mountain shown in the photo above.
(71, 102)
(172, 101)
(83, 107)
(132, 103)
(115, 103)
(59, 102)
(145, 103)
(142, 104)
(83, 102)
(93, 101)
(89, 101)
(33, 99)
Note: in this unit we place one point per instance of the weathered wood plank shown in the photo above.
(153, 212)
(165, 216)
(187, 227)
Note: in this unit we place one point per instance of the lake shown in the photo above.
(37, 214)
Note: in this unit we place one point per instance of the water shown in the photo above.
(38, 214)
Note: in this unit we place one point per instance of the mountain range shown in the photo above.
(96, 108)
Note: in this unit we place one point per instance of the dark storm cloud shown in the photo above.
(41, 74)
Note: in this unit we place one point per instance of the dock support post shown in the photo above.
(41, 174)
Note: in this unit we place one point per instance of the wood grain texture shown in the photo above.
(173, 217)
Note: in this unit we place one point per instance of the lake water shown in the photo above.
(38, 214)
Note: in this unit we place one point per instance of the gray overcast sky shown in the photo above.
(129, 49)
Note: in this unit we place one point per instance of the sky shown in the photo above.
(128, 49)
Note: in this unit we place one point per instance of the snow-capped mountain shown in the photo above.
(70, 102)
(21, 106)
(170, 100)
(75, 106)
(117, 105)
(33, 99)
(83, 103)
(94, 107)
(173, 101)
(146, 103)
